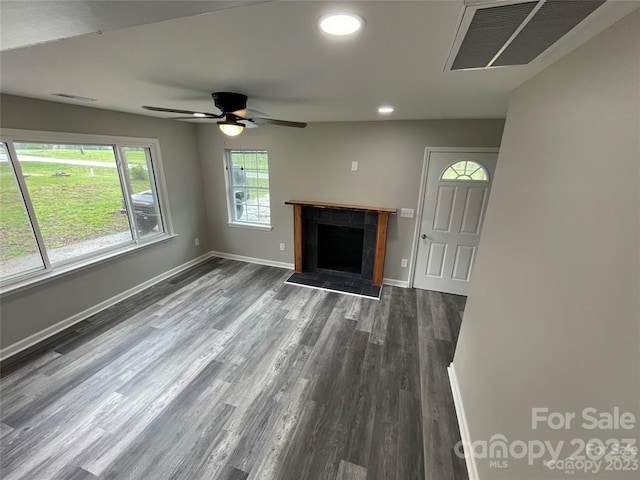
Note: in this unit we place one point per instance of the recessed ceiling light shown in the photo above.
(341, 23)
(385, 109)
(199, 115)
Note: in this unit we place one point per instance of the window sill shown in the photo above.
(40, 278)
(251, 226)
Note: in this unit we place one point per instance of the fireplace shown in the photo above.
(340, 247)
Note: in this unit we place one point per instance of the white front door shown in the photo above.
(455, 200)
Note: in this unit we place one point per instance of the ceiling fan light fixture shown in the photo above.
(230, 128)
(385, 109)
(341, 24)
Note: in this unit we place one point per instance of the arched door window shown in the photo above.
(465, 171)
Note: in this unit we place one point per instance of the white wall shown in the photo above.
(315, 164)
(28, 311)
(553, 316)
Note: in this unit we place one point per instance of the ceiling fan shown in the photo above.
(235, 114)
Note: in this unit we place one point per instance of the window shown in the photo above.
(466, 171)
(18, 248)
(248, 187)
(65, 200)
(143, 190)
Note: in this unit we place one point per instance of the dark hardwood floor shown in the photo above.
(225, 372)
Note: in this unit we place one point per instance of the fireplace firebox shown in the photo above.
(340, 248)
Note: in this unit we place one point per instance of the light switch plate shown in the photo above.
(404, 263)
(354, 166)
(282, 247)
(406, 212)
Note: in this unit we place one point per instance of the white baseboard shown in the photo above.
(78, 317)
(259, 261)
(470, 460)
(396, 283)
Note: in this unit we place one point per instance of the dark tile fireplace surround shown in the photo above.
(338, 249)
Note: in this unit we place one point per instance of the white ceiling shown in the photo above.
(31, 22)
(274, 53)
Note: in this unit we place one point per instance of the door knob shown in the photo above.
(423, 236)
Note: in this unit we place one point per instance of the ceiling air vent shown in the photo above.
(502, 33)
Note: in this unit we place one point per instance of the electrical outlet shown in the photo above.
(406, 212)
(282, 247)
(196, 241)
(404, 262)
(354, 166)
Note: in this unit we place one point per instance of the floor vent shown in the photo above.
(515, 32)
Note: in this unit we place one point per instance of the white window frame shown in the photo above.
(228, 181)
(11, 136)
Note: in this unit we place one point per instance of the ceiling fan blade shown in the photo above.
(193, 118)
(247, 123)
(273, 121)
(248, 113)
(184, 112)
